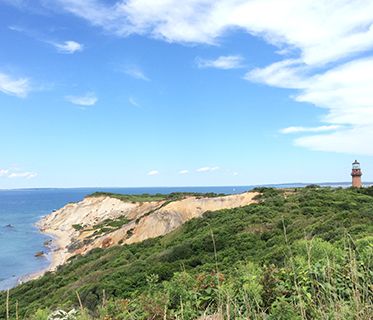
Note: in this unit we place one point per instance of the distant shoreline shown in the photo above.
(274, 185)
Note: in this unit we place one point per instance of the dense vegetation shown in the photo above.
(145, 197)
(296, 254)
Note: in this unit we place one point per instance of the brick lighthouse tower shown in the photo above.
(356, 175)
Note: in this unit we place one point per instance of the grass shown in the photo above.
(306, 254)
(154, 197)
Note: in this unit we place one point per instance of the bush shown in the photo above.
(267, 257)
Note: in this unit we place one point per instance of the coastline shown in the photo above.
(139, 225)
(54, 254)
(59, 215)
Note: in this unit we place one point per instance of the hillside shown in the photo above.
(103, 220)
(296, 254)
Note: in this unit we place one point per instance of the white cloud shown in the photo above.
(322, 30)
(305, 129)
(235, 173)
(4, 172)
(9, 173)
(183, 171)
(89, 99)
(133, 102)
(17, 28)
(19, 87)
(69, 47)
(289, 73)
(222, 62)
(320, 46)
(344, 91)
(153, 173)
(357, 140)
(27, 175)
(207, 169)
(135, 72)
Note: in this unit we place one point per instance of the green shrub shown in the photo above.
(296, 253)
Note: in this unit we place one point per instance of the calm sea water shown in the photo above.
(20, 209)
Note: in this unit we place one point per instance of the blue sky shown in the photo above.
(158, 93)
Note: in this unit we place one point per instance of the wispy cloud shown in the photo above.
(69, 47)
(308, 129)
(322, 30)
(343, 90)
(153, 173)
(4, 172)
(207, 169)
(222, 62)
(183, 172)
(11, 173)
(87, 100)
(135, 72)
(288, 73)
(27, 175)
(18, 29)
(10, 85)
(133, 102)
(330, 44)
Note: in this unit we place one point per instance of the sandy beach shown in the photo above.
(56, 254)
(59, 225)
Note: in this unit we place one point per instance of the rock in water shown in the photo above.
(47, 243)
(39, 254)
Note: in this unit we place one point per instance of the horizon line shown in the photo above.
(195, 186)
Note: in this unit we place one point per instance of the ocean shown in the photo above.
(21, 209)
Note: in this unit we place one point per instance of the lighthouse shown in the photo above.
(356, 175)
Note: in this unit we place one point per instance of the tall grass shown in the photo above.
(317, 281)
(308, 255)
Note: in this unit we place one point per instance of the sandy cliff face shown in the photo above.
(174, 214)
(80, 227)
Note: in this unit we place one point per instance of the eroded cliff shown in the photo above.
(104, 221)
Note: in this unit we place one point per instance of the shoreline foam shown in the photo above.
(54, 254)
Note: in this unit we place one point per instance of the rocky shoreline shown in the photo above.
(52, 247)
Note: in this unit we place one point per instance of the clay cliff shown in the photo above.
(104, 221)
